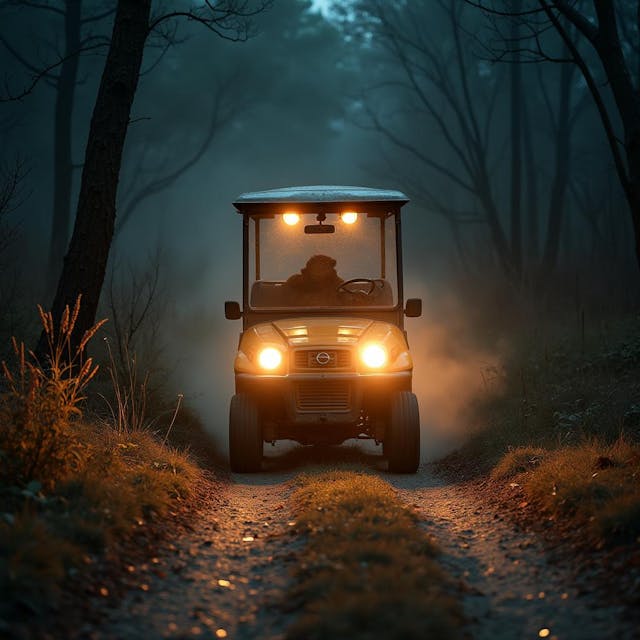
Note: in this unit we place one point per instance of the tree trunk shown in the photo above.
(531, 190)
(627, 98)
(561, 175)
(62, 161)
(85, 263)
(516, 153)
(634, 204)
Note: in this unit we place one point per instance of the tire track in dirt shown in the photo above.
(514, 588)
(224, 580)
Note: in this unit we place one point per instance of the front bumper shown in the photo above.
(329, 398)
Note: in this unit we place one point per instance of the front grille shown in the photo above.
(322, 359)
(323, 396)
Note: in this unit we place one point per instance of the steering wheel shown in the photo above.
(343, 287)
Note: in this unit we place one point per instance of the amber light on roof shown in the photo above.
(349, 217)
(291, 218)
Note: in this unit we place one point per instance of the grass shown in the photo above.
(566, 428)
(70, 488)
(366, 570)
(595, 485)
(128, 481)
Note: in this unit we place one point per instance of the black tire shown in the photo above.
(402, 440)
(245, 435)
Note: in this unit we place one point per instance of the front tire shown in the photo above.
(402, 441)
(245, 435)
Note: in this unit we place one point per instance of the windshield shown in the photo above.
(326, 260)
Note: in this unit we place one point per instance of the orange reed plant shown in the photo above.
(41, 402)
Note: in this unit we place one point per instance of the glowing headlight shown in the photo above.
(349, 217)
(374, 356)
(269, 358)
(291, 218)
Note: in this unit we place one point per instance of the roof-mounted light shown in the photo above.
(291, 218)
(348, 217)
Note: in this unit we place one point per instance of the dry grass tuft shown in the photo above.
(69, 488)
(595, 484)
(566, 428)
(518, 461)
(366, 570)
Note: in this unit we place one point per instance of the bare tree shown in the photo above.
(600, 41)
(63, 78)
(135, 302)
(228, 102)
(444, 87)
(85, 264)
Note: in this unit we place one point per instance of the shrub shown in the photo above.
(38, 408)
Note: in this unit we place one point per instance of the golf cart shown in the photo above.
(323, 356)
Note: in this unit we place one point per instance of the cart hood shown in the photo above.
(322, 331)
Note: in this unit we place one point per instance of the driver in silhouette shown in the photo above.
(316, 284)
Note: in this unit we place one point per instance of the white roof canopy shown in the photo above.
(319, 194)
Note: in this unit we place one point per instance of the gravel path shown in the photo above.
(514, 589)
(227, 578)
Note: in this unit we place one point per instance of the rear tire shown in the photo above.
(402, 441)
(245, 435)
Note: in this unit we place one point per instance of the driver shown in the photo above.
(316, 284)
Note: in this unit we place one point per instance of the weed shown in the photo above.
(38, 409)
(518, 461)
(69, 487)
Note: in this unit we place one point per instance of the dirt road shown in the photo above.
(227, 578)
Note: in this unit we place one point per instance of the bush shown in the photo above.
(37, 411)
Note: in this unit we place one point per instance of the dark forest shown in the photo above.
(128, 130)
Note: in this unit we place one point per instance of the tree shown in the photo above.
(444, 88)
(63, 78)
(593, 39)
(228, 102)
(85, 263)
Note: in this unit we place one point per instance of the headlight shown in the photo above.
(374, 356)
(270, 358)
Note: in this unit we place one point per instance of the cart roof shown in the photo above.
(257, 201)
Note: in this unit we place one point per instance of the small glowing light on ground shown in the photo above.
(541, 595)
(544, 633)
(104, 591)
(224, 583)
(144, 587)
(247, 539)
(221, 633)
(292, 523)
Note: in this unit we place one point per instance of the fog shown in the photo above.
(317, 98)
